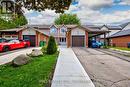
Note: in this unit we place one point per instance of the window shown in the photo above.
(63, 30)
(8, 37)
(62, 39)
(53, 30)
(14, 37)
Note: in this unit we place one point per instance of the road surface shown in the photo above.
(104, 70)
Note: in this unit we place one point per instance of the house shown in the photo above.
(121, 38)
(111, 28)
(81, 36)
(31, 34)
(57, 31)
(36, 33)
(70, 35)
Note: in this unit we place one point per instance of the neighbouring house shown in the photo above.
(111, 28)
(31, 34)
(70, 35)
(121, 38)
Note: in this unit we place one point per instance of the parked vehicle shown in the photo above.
(96, 44)
(2, 40)
(13, 44)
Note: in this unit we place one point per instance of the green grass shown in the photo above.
(121, 48)
(34, 74)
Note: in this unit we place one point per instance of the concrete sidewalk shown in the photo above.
(9, 57)
(69, 71)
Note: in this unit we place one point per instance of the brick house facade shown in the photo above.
(121, 41)
(69, 35)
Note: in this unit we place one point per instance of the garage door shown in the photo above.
(78, 41)
(31, 38)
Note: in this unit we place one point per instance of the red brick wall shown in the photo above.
(20, 35)
(37, 41)
(41, 37)
(86, 39)
(120, 41)
(69, 39)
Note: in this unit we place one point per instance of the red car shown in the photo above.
(13, 44)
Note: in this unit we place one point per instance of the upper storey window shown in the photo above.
(53, 30)
(63, 30)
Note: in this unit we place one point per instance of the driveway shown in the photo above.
(104, 70)
(9, 56)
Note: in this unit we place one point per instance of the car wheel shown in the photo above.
(5, 49)
(26, 46)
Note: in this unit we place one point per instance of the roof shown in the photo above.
(68, 26)
(121, 33)
(43, 28)
(12, 30)
(93, 29)
(124, 25)
(94, 26)
(39, 26)
(115, 27)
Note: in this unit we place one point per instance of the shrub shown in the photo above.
(51, 47)
(44, 49)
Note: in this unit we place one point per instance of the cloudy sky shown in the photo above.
(89, 11)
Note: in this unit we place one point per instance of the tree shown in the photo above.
(40, 5)
(67, 19)
(17, 22)
(51, 47)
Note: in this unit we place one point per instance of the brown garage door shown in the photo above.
(78, 41)
(31, 38)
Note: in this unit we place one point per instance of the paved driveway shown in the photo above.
(9, 56)
(103, 69)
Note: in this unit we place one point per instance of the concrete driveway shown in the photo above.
(104, 70)
(9, 56)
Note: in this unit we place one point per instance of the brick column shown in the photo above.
(68, 39)
(37, 38)
(86, 39)
(20, 35)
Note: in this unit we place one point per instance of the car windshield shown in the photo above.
(7, 40)
(2, 40)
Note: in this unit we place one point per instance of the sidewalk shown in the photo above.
(69, 72)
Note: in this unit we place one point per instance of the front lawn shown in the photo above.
(34, 74)
(121, 48)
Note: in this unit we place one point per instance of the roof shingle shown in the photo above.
(121, 33)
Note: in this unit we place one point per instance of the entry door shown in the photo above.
(78, 41)
(31, 38)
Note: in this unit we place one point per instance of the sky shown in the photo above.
(88, 11)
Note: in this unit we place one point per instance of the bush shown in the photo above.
(51, 47)
(44, 49)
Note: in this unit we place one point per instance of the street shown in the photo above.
(104, 70)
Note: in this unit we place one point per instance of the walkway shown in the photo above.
(69, 72)
(9, 57)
